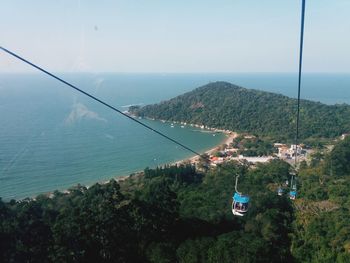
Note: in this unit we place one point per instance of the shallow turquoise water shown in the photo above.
(52, 138)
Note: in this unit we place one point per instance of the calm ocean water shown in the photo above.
(52, 138)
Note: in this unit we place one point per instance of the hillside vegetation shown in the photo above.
(179, 214)
(171, 214)
(226, 106)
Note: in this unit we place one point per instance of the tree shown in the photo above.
(204, 162)
(338, 162)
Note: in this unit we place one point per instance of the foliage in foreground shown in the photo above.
(171, 214)
(176, 214)
(322, 225)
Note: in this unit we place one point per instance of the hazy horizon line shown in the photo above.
(175, 73)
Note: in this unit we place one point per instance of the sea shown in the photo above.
(52, 137)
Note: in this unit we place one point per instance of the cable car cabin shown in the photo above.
(292, 195)
(280, 191)
(240, 204)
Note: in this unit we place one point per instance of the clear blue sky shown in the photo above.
(175, 36)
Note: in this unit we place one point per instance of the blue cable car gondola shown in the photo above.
(293, 191)
(280, 191)
(292, 194)
(240, 202)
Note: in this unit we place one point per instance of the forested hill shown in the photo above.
(227, 106)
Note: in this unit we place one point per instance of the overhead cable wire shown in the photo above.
(299, 78)
(98, 100)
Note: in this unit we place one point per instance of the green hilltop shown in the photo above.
(226, 106)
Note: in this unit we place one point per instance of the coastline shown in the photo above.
(229, 136)
(203, 128)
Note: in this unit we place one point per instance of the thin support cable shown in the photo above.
(98, 100)
(299, 79)
(237, 185)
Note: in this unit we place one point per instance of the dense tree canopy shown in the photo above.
(322, 226)
(226, 106)
(253, 146)
(177, 214)
(338, 162)
(170, 214)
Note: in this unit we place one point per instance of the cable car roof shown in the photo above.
(241, 198)
(293, 192)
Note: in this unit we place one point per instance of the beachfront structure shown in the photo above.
(262, 159)
(216, 160)
(279, 145)
(288, 153)
(230, 149)
(297, 147)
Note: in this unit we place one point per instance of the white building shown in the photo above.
(293, 147)
(262, 159)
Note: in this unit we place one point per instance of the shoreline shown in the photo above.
(229, 136)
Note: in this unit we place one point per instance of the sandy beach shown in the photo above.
(229, 137)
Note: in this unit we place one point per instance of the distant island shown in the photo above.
(226, 106)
